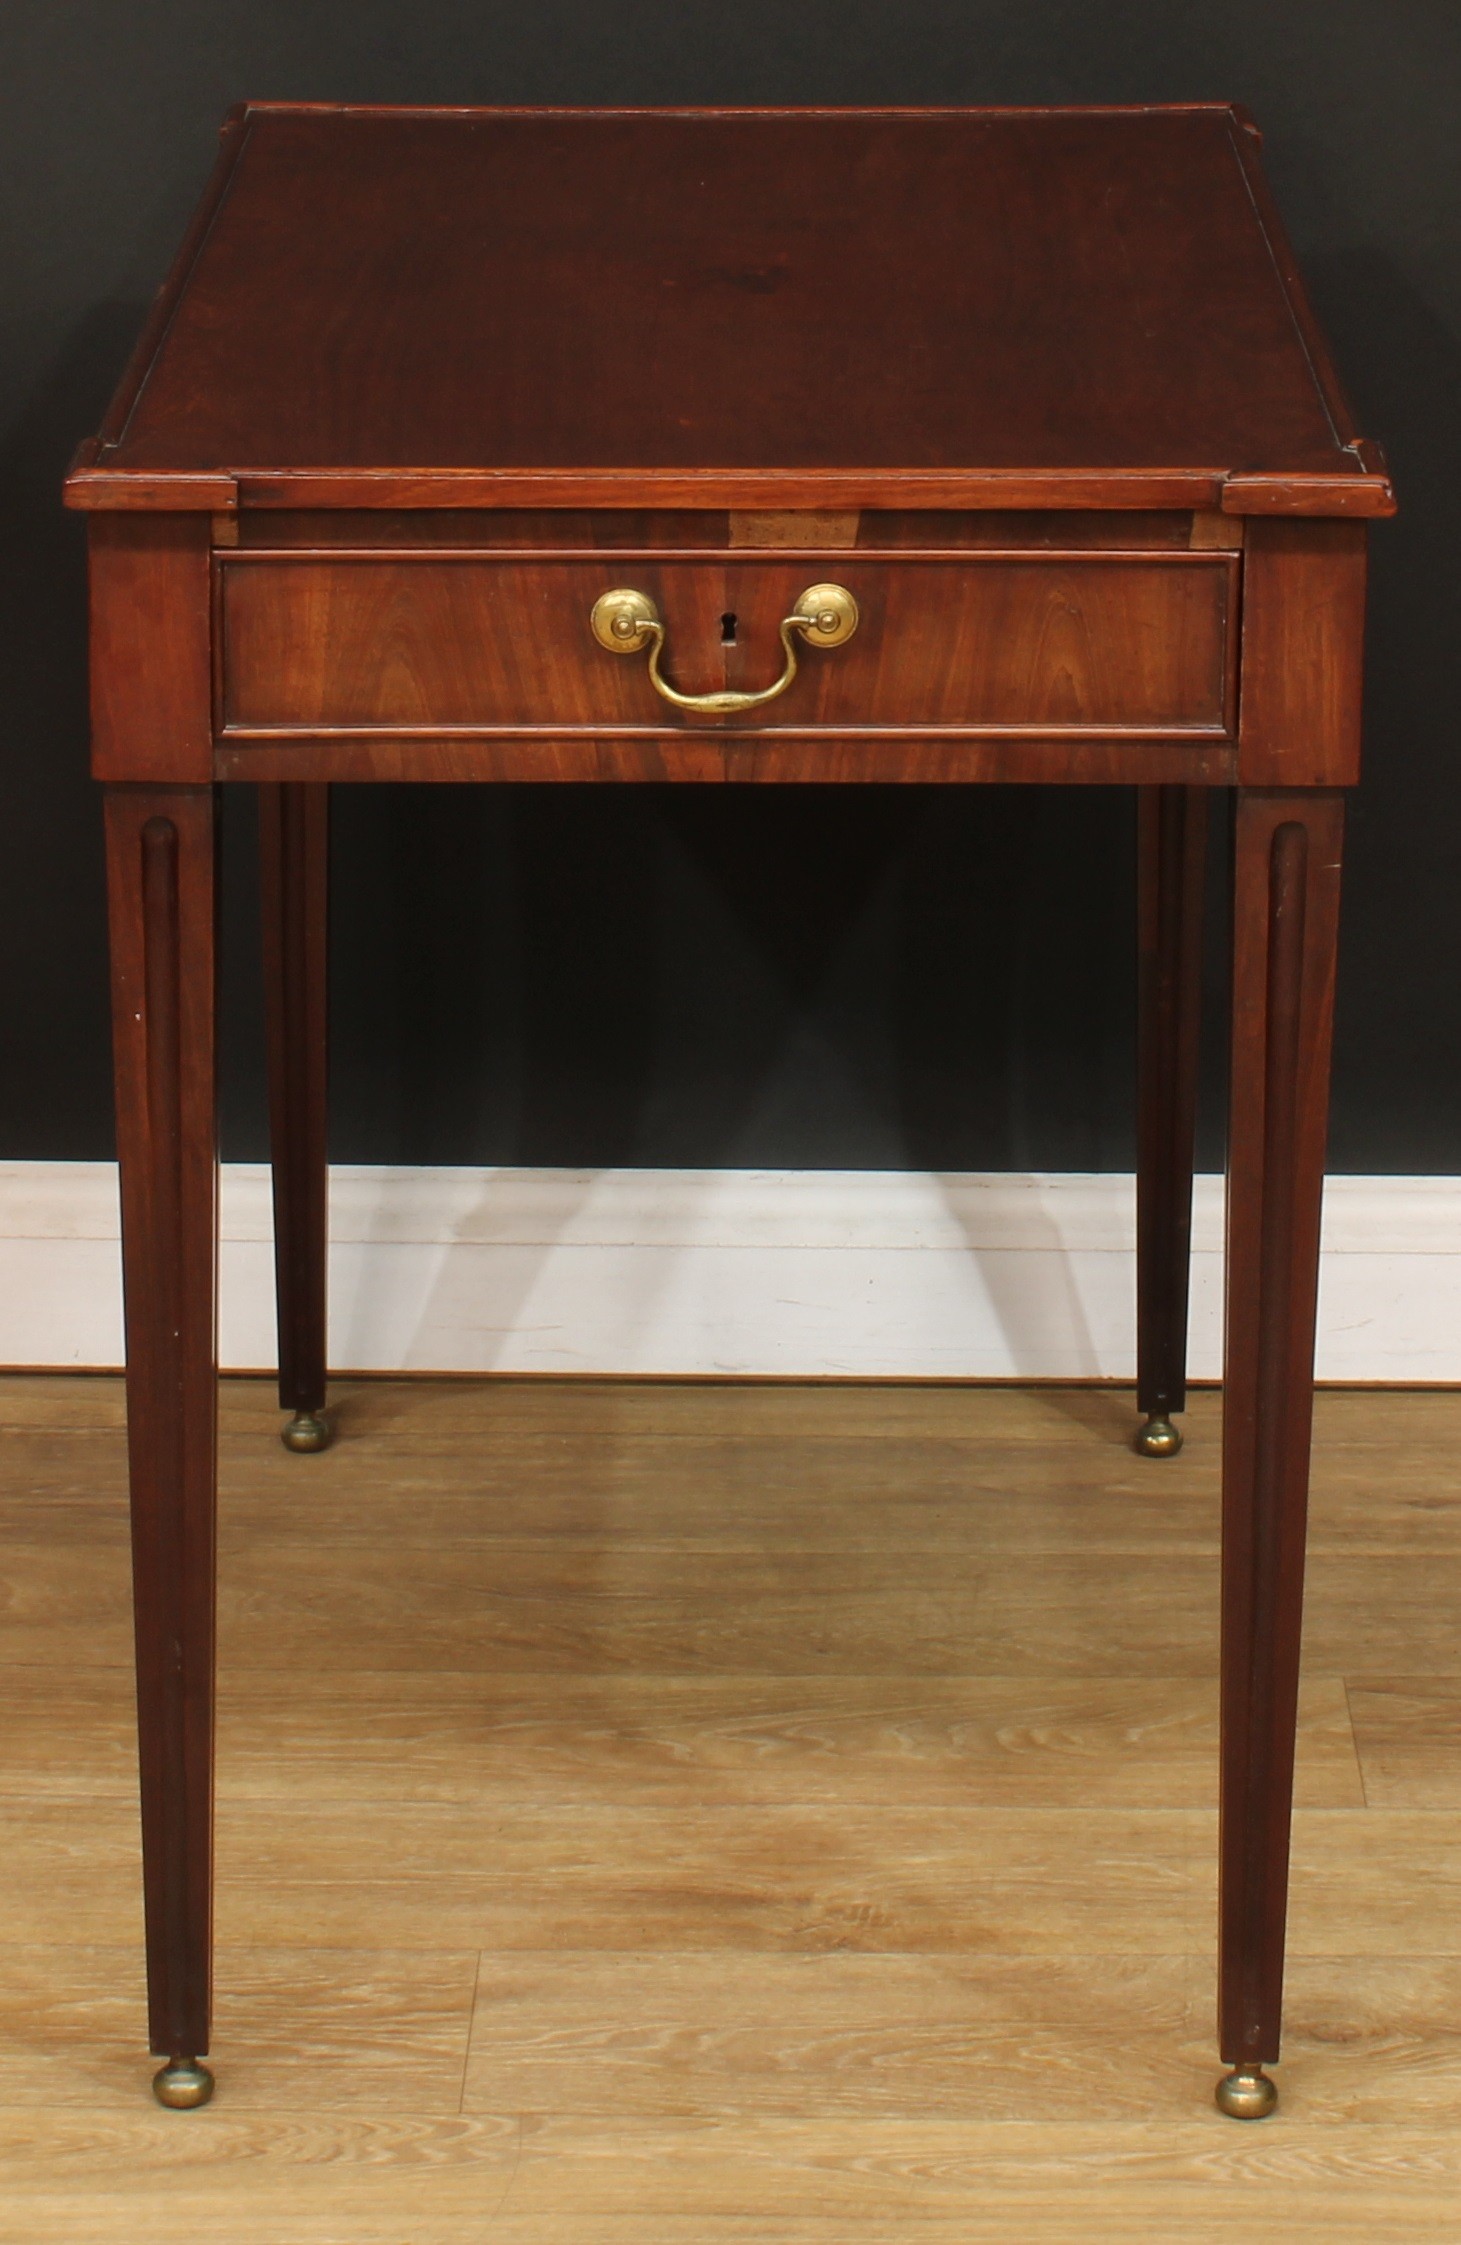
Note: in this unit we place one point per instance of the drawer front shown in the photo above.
(1076, 643)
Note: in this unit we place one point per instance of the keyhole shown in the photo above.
(728, 629)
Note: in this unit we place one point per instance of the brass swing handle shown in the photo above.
(624, 622)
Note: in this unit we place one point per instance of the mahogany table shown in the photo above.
(747, 446)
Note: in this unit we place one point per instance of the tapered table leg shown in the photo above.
(293, 866)
(160, 867)
(1285, 925)
(1171, 851)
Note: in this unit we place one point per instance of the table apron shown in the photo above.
(703, 758)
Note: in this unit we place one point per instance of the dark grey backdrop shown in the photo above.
(872, 977)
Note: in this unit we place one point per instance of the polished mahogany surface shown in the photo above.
(1120, 643)
(1040, 389)
(798, 295)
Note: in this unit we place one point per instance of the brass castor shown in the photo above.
(1246, 2094)
(182, 2084)
(307, 1430)
(1158, 1438)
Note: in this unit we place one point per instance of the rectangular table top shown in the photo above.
(957, 308)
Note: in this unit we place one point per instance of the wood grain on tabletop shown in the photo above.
(1007, 247)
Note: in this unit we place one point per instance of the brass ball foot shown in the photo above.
(1246, 2094)
(182, 2084)
(1158, 1438)
(307, 1430)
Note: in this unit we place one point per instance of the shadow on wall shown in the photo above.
(1397, 1104)
(495, 991)
(1014, 998)
(780, 977)
(55, 1092)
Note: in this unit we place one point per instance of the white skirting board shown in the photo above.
(792, 1273)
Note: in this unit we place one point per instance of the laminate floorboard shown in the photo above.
(673, 1741)
(1407, 1731)
(729, 1814)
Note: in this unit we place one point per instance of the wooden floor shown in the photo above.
(729, 1815)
